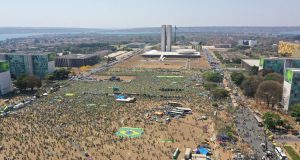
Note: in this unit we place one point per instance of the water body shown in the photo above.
(9, 33)
(17, 35)
(24, 35)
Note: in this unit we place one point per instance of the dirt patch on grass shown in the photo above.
(169, 63)
(124, 78)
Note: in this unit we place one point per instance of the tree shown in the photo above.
(270, 92)
(236, 61)
(250, 85)
(111, 59)
(264, 72)
(220, 93)
(49, 77)
(215, 104)
(237, 77)
(274, 77)
(32, 82)
(213, 76)
(210, 86)
(272, 121)
(254, 70)
(60, 74)
(295, 111)
(85, 68)
(21, 83)
(24, 82)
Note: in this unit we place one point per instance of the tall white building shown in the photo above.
(5, 79)
(291, 88)
(166, 38)
(163, 38)
(169, 38)
(37, 64)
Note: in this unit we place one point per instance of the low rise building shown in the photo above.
(180, 53)
(222, 45)
(249, 43)
(249, 64)
(77, 60)
(290, 69)
(279, 65)
(136, 45)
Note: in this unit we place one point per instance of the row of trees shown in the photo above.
(86, 48)
(266, 86)
(25, 82)
(295, 111)
(59, 74)
(213, 78)
(219, 56)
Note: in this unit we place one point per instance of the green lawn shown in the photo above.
(292, 152)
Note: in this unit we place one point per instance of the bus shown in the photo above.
(175, 113)
(176, 154)
(185, 110)
(280, 154)
(259, 120)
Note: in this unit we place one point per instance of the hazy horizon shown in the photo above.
(119, 14)
(145, 27)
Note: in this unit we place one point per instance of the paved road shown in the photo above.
(286, 139)
(212, 60)
(250, 132)
(246, 124)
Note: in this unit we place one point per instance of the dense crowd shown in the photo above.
(63, 125)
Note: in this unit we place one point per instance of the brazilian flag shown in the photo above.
(127, 132)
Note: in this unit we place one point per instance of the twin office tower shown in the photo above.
(166, 38)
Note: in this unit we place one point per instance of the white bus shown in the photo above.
(185, 110)
(259, 120)
(280, 154)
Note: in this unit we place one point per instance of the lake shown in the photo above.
(18, 35)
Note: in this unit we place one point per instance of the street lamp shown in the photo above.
(266, 141)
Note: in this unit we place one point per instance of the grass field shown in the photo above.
(79, 118)
(293, 154)
(84, 117)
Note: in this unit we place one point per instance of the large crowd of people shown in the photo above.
(63, 125)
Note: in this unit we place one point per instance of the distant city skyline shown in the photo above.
(151, 13)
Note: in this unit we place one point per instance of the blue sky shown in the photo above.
(148, 13)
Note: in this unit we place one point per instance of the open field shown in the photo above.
(66, 126)
(169, 63)
(83, 117)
